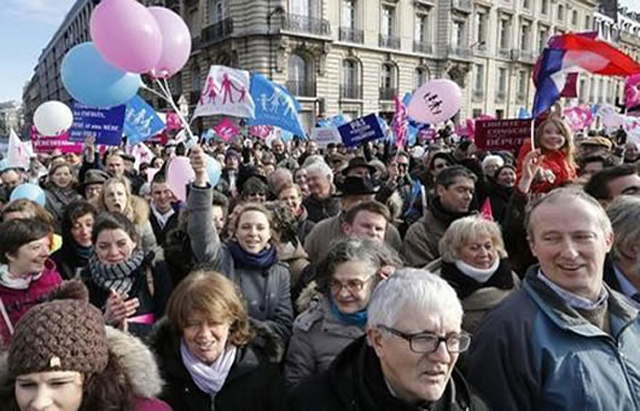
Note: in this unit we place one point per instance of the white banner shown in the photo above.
(325, 135)
(226, 91)
(18, 152)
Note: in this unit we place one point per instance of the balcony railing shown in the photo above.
(500, 96)
(504, 53)
(527, 56)
(478, 95)
(351, 35)
(302, 88)
(423, 47)
(390, 42)
(305, 24)
(629, 38)
(217, 31)
(464, 5)
(350, 91)
(388, 93)
(460, 51)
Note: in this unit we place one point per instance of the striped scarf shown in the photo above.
(117, 277)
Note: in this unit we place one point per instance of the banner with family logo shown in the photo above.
(226, 91)
(275, 106)
(141, 121)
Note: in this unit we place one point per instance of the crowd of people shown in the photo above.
(439, 277)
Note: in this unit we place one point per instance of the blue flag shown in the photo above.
(524, 113)
(338, 120)
(141, 121)
(406, 99)
(275, 106)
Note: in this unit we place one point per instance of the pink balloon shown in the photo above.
(127, 35)
(435, 102)
(179, 174)
(176, 42)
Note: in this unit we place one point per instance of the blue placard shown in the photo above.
(275, 106)
(361, 130)
(141, 121)
(105, 124)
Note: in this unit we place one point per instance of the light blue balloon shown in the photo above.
(30, 192)
(214, 170)
(94, 82)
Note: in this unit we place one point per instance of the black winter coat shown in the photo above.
(354, 382)
(253, 384)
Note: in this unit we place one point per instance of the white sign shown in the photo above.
(325, 135)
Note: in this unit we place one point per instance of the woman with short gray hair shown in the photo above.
(346, 278)
(474, 261)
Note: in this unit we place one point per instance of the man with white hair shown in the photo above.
(565, 341)
(406, 360)
(320, 203)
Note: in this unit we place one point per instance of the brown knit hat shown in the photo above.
(67, 334)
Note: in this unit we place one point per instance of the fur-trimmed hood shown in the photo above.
(140, 210)
(135, 359)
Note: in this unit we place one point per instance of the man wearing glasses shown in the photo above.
(406, 361)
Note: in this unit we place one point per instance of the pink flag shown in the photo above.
(173, 121)
(261, 131)
(400, 123)
(485, 211)
(226, 129)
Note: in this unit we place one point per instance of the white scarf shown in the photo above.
(209, 378)
(478, 274)
(19, 283)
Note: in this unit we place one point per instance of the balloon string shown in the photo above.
(169, 99)
(155, 93)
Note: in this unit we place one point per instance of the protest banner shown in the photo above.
(141, 121)
(494, 135)
(275, 106)
(361, 130)
(105, 124)
(46, 144)
(226, 91)
(325, 135)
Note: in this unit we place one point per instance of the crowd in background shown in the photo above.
(436, 277)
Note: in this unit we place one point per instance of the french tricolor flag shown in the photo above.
(572, 53)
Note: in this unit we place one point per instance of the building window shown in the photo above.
(543, 35)
(387, 21)
(348, 14)
(582, 91)
(560, 12)
(544, 7)
(587, 22)
(350, 86)
(480, 28)
(526, 4)
(298, 68)
(523, 79)
(217, 10)
(196, 84)
(421, 29)
(299, 76)
(501, 86)
(525, 36)
(387, 79)
(574, 18)
(419, 77)
(477, 112)
(504, 27)
(306, 8)
(478, 83)
(457, 33)
(600, 90)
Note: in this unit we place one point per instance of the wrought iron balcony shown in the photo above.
(390, 42)
(350, 91)
(305, 24)
(302, 88)
(217, 31)
(527, 56)
(351, 35)
(423, 47)
(504, 53)
(463, 5)
(460, 51)
(388, 93)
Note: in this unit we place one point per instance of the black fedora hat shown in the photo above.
(355, 186)
(357, 162)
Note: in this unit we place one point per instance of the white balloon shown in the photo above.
(52, 118)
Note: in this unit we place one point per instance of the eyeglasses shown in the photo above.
(402, 165)
(353, 286)
(426, 343)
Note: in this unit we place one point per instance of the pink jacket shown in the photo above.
(17, 302)
(150, 404)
